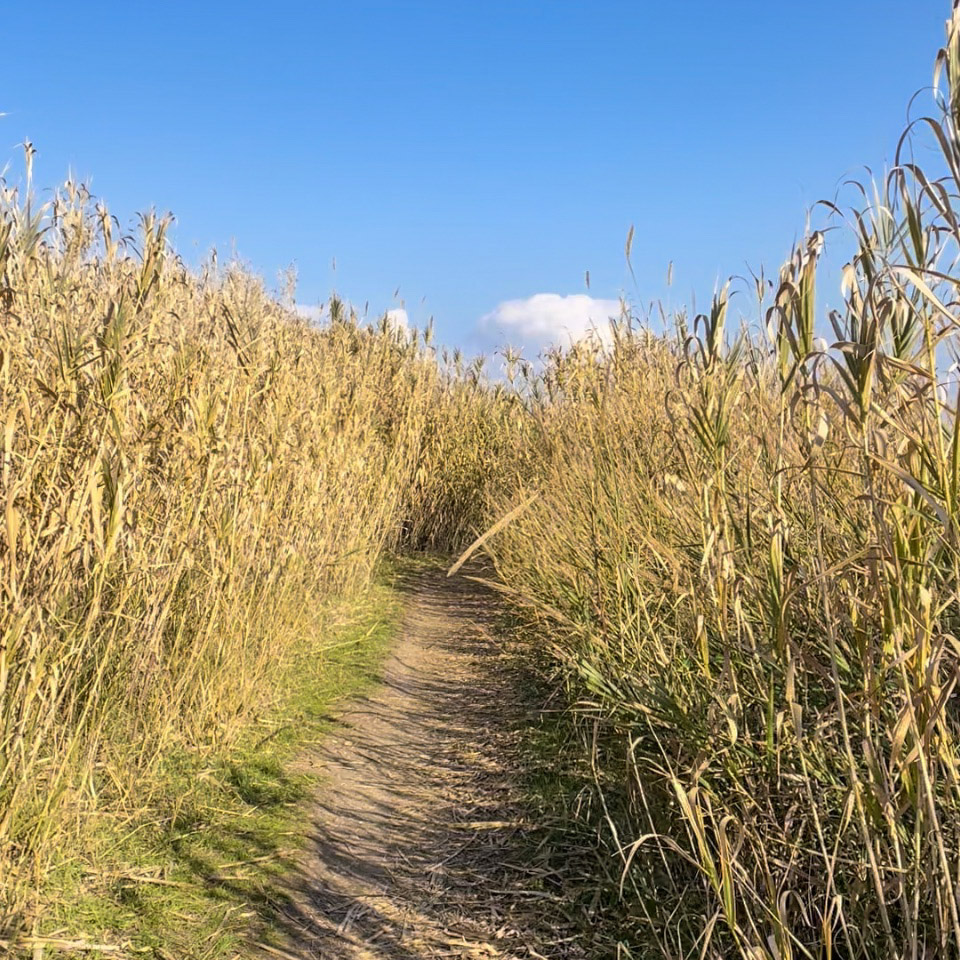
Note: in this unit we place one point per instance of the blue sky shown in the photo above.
(469, 153)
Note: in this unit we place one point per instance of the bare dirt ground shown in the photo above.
(420, 847)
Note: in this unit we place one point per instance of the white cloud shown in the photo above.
(549, 318)
(308, 311)
(397, 317)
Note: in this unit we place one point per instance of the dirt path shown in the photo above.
(420, 848)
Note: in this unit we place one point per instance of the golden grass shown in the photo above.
(188, 472)
(743, 554)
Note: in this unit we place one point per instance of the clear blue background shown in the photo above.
(468, 152)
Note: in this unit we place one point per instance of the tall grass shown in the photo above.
(189, 471)
(743, 552)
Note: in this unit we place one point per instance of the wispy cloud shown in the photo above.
(310, 311)
(550, 318)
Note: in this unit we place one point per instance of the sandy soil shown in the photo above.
(419, 846)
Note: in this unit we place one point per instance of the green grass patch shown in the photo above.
(199, 872)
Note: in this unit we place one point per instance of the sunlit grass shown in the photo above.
(200, 870)
(743, 554)
(190, 472)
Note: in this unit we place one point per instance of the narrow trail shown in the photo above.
(419, 848)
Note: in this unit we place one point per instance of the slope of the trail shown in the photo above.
(419, 845)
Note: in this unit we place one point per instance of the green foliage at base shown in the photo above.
(199, 872)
